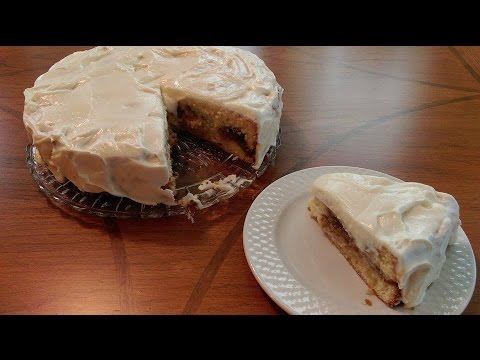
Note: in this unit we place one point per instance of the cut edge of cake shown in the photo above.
(394, 234)
(227, 129)
(386, 289)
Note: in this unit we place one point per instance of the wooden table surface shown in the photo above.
(412, 112)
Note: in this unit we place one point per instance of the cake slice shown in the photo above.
(394, 234)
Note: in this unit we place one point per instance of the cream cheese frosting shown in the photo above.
(98, 117)
(412, 221)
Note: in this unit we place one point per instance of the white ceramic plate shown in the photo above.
(304, 273)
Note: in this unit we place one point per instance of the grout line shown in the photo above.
(465, 64)
(422, 82)
(121, 264)
(372, 123)
(11, 111)
(208, 274)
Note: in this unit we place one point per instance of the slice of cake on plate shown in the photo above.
(394, 234)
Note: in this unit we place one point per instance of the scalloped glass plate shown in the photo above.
(304, 273)
(193, 160)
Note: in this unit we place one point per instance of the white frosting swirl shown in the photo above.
(98, 117)
(412, 221)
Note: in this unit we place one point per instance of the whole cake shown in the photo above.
(394, 234)
(101, 118)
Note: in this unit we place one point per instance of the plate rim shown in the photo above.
(280, 302)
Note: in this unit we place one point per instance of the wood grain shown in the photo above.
(412, 112)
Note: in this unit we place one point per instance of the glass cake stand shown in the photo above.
(195, 161)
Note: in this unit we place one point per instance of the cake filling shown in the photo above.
(385, 288)
(228, 130)
(237, 135)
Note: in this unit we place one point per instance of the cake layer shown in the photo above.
(98, 117)
(411, 221)
(386, 289)
(225, 128)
